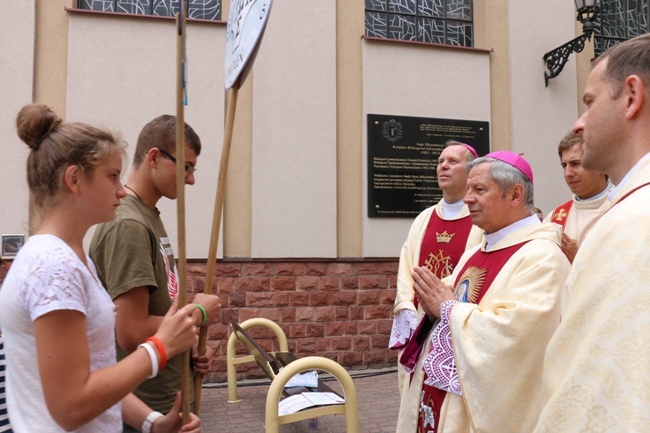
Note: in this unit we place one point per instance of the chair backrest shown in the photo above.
(272, 418)
(233, 360)
(268, 363)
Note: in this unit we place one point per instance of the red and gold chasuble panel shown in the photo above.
(443, 244)
(473, 282)
(560, 214)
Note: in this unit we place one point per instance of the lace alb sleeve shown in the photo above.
(440, 364)
(404, 323)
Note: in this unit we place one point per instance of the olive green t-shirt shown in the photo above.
(132, 251)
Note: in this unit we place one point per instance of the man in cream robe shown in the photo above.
(488, 356)
(590, 196)
(597, 367)
(437, 238)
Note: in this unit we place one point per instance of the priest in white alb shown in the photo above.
(597, 367)
(437, 238)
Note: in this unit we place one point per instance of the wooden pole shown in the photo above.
(180, 198)
(216, 222)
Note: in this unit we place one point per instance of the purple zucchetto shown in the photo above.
(470, 148)
(514, 160)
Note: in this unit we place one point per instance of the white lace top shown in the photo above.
(47, 276)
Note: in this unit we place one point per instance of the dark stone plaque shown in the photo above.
(402, 157)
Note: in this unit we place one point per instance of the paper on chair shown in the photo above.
(308, 379)
(304, 400)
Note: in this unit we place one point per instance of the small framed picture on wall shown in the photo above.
(11, 244)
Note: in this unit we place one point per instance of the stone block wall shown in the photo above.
(338, 309)
(4, 268)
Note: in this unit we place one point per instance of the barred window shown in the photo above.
(446, 22)
(619, 20)
(196, 9)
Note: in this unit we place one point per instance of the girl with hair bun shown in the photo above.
(57, 319)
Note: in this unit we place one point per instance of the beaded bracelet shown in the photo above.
(203, 313)
(153, 357)
(161, 350)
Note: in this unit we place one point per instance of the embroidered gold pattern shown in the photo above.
(470, 284)
(440, 264)
(444, 237)
(560, 215)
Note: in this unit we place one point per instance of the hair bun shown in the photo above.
(35, 122)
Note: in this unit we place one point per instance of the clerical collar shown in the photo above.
(597, 196)
(627, 177)
(451, 210)
(493, 238)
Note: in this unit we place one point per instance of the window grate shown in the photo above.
(618, 21)
(196, 9)
(447, 22)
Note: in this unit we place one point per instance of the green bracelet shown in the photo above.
(203, 313)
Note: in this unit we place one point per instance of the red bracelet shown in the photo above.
(161, 350)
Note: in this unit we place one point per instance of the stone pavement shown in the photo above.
(376, 390)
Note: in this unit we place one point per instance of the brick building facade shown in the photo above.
(338, 309)
(341, 310)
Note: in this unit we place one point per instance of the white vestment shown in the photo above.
(406, 317)
(583, 214)
(499, 344)
(597, 367)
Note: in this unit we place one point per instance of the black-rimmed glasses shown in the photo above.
(189, 168)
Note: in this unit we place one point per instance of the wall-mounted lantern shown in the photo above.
(557, 58)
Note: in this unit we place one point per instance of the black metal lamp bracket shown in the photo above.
(557, 58)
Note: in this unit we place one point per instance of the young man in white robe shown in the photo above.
(590, 196)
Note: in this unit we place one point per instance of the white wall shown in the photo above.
(541, 116)
(122, 74)
(418, 81)
(294, 132)
(16, 76)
